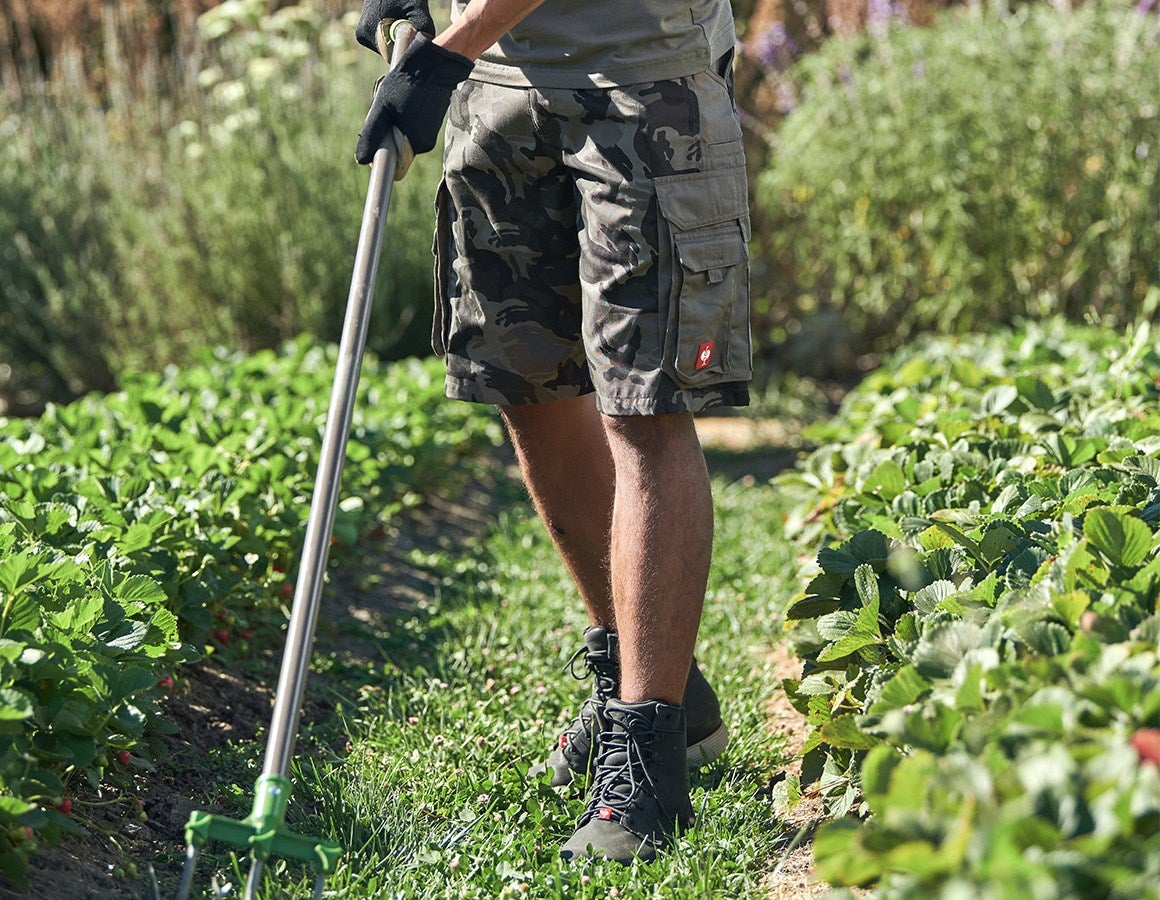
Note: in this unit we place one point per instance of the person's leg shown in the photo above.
(664, 222)
(662, 535)
(567, 467)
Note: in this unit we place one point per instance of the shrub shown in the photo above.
(951, 178)
(134, 233)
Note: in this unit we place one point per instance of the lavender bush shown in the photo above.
(992, 167)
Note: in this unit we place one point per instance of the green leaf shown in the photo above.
(840, 857)
(80, 615)
(14, 705)
(942, 647)
(932, 726)
(24, 614)
(843, 731)
(811, 608)
(140, 589)
(128, 637)
(887, 480)
(1045, 638)
(865, 630)
(863, 547)
(999, 539)
(901, 690)
(866, 581)
(1123, 539)
(999, 398)
(969, 696)
(1035, 391)
(1045, 718)
(1071, 605)
(19, 570)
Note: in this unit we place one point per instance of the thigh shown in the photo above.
(508, 315)
(664, 266)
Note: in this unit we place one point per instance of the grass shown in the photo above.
(431, 796)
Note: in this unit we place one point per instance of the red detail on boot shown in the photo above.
(604, 813)
(704, 356)
(563, 741)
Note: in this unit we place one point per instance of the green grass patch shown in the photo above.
(433, 797)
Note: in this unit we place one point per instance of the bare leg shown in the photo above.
(567, 466)
(662, 538)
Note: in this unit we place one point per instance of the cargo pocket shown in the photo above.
(707, 219)
(443, 252)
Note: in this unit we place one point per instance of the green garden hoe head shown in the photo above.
(263, 834)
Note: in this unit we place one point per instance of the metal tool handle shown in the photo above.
(320, 524)
(399, 33)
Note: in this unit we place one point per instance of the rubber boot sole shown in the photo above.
(708, 749)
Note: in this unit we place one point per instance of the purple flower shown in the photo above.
(878, 12)
(1145, 6)
(786, 97)
(774, 48)
(918, 70)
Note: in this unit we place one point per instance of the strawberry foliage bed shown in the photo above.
(980, 634)
(140, 530)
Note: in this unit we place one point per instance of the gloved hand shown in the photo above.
(413, 97)
(374, 11)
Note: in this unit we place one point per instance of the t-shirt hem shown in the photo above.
(525, 76)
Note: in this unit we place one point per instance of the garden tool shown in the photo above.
(263, 833)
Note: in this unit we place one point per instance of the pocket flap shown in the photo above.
(700, 252)
(693, 200)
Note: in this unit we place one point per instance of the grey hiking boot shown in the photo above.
(577, 747)
(640, 789)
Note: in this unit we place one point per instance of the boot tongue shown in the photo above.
(598, 640)
(600, 660)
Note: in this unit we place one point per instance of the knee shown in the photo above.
(650, 436)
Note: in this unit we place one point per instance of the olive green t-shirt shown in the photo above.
(607, 43)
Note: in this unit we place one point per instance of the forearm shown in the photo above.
(482, 23)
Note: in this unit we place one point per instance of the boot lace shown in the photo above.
(622, 766)
(601, 667)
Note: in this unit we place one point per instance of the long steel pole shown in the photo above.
(320, 525)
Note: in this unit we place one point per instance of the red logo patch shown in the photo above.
(605, 813)
(563, 741)
(704, 356)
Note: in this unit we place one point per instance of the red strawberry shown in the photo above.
(123, 757)
(65, 806)
(222, 635)
(1146, 741)
(166, 683)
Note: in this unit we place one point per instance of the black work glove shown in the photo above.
(413, 97)
(374, 11)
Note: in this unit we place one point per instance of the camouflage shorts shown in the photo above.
(595, 240)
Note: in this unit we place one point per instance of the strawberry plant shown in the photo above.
(139, 529)
(981, 637)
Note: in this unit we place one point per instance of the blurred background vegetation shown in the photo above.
(177, 173)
